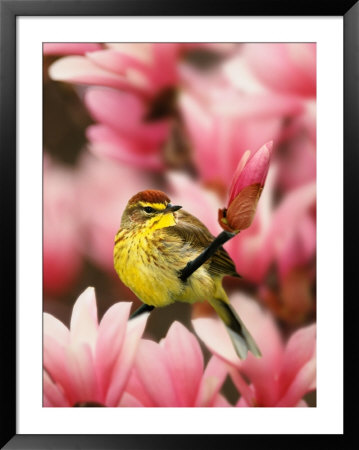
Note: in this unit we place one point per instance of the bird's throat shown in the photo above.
(161, 221)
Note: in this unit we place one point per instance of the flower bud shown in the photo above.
(247, 186)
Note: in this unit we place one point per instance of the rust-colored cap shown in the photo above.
(150, 196)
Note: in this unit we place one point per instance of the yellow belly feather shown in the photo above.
(149, 264)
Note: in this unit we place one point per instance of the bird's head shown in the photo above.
(150, 209)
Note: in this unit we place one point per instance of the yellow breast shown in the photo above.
(149, 264)
(142, 264)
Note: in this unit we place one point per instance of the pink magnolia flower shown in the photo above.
(247, 185)
(223, 125)
(122, 132)
(288, 68)
(144, 79)
(138, 73)
(171, 373)
(90, 363)
(297, 141)
(284, 373)
(144, 68)
(62, 260)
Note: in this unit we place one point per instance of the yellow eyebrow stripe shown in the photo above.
(153, 205)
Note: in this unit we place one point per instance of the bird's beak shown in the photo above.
(171, 208)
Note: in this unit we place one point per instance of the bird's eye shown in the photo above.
(148, 209)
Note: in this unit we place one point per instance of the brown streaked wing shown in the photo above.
(194, 232)
(222, 264)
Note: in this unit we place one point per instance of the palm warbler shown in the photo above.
(156, 240)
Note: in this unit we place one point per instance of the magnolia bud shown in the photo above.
(247, 186)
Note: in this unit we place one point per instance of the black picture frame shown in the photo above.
(10, 9)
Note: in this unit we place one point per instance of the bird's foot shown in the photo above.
(142, 309)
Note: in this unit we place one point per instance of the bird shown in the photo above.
(155, 242)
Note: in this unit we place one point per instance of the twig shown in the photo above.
(223, 237)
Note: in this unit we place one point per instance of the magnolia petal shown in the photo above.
(136, 73)
(129, 401)
(299, 351)
(164, 70)
(288, 68)
(118, 109)
(262, 326)
(125, 360)
(221, 135)
(248, 392)
(302, 384)
(220, 402)
(233, 191)
(256, 169)
(55, 329)
(185, 361)
(117, 61)
(212, 381)
(111, 335)
(53, 395)
(81, 371)
(136, 389)
(54, 358)
(262, 372)
(251, 170)
(125, 112)
(240, 212)
(108, 150)
(251, 257)
(242, 403)
(262, 106)
(200, 126)
(252, 134)
(213, 333)
(105, 135)
(155, 375)
(79, 69)
(139, 51)
(84, 324)
(106, 143)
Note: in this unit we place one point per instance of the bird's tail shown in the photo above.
(240, 336)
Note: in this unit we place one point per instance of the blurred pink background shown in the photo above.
(120, 118)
